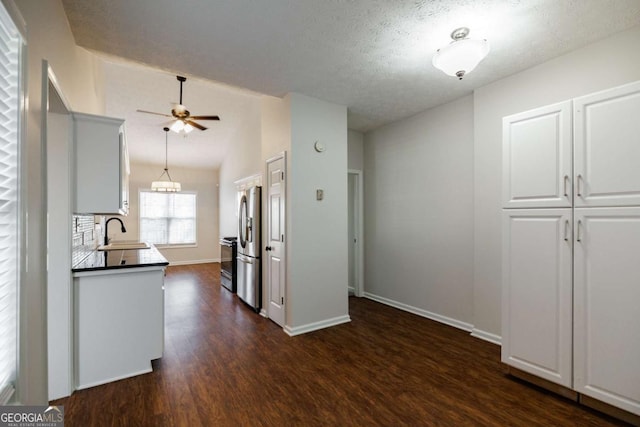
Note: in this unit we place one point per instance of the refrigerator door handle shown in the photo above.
(242, 232)
(246, 259)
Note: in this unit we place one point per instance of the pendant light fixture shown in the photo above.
(462, 55)
(167, 185)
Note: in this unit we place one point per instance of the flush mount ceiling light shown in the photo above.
(167, 185)
(462, 55)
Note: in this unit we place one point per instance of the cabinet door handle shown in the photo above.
(578, 186)
(578, 231)
(566, 180)
(566, 230)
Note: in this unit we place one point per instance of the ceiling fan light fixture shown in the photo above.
(177, 126)
(462, 55)
(166, 185)
(183, 120)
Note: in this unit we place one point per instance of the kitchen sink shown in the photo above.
(120, 246)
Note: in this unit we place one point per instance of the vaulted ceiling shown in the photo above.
(373, 56)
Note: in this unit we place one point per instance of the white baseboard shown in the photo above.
(196, 261)
(263, 313)
(487, 336)
(421, 312)
(310, 327)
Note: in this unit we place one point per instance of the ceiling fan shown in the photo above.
(184, 121)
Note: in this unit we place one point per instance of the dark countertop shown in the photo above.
(129, 258)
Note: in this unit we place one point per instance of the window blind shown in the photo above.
(168, 218)
(10, 42)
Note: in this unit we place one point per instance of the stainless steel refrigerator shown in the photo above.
(249, 248)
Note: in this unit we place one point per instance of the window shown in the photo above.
(168, 218)
(10, 116)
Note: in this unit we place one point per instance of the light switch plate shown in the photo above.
(319, 194)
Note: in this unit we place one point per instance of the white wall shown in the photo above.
(276, 126)
(50, 38)
(202, 181)
(243, 159)
(60, 303)
(276, 138)
(607, 63)
(418, 176)
(317, 230)
(316, 296)
(355, 156)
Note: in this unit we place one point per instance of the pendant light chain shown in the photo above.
(166, 152)
(170, 185)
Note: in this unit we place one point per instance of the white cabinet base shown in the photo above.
(119, 324)
(571, 394)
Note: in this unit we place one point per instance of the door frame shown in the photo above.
(57, 282)
(359, 227)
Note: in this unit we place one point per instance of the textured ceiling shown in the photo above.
(373, 56)
(129, 87)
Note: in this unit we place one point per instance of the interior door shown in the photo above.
(607, 292)
(275, 248)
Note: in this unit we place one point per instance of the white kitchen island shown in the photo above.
(118, 321)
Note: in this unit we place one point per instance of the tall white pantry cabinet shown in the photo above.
(571, 245)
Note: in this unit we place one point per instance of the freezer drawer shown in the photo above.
(249, 281)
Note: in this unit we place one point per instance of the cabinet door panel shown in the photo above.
(537, 158)
(536, 299)
(118, 324)
(607, 147)
(99, 153)
(607, 294)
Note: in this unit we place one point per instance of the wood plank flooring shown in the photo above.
(226, 366)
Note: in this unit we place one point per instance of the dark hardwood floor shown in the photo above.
(226, 366)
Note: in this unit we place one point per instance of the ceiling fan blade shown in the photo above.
(151, 112)
(205, 117)
(195, 125)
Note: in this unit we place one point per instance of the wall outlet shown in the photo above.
(319, 194)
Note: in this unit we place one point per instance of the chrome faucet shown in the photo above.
(106, 229)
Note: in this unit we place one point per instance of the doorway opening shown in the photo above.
(355, 232)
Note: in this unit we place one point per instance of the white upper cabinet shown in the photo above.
(537, 292)
(607, 147)
(607, 294)
(101, 165)
(536, 158)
